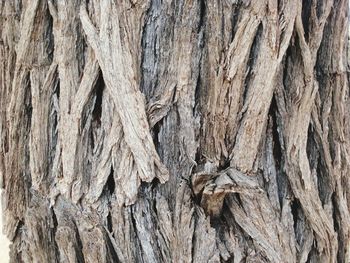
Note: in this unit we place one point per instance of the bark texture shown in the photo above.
(175, 130)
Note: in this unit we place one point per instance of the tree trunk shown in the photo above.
(175, 130)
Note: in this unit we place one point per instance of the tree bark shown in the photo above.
(175, 130)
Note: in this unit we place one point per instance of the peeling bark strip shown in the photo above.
(175, 131)
(115, 55)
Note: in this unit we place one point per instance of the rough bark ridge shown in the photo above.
(175, 131)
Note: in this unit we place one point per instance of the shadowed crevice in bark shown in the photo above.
(54, 220)
(97, 110)
(109, 223)
(96, 113)
(49, 43)
(27, 118)
(28, 109)
(276, 130)
(80, 255)
(306, 16)
(111, 254)
(337, 227)
(295, 209)
(202, 13)
(19, 228)
(197, 95)
(156, 131)
(318, 167)
(110, 185)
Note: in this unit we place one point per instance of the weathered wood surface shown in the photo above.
(175, 131)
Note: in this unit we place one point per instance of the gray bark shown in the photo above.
(175, 130)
